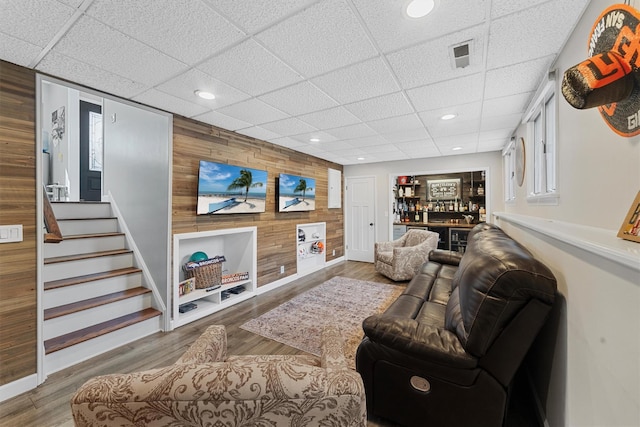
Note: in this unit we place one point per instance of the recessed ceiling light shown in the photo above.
(205, 95)
(420, 8)
(315, 140)
(360, 158)
(448, 116)
(456, 149)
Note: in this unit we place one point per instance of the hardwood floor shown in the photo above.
(48, 404)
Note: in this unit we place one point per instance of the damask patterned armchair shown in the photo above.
(401, 259)
(205, 387)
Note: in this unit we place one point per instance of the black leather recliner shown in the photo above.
(446, 351)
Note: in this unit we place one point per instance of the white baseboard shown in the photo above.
(281, 282)
(17, 387)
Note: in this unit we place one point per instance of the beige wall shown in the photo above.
(596, 372)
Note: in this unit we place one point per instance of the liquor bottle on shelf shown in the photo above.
(480, 190)
(451, 206)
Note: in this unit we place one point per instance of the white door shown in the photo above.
(360, 212)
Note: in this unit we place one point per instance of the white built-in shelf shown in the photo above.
(239, 247)
(308, 260)
(598, 241)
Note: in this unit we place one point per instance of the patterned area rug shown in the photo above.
(338, 301)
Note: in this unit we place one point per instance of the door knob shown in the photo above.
(370, 224)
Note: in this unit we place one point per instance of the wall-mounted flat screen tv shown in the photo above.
(296, 193)
(229, 189)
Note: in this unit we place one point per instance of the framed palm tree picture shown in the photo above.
(296, 193)
(230, 189)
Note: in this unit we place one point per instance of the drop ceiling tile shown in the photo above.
(35, 22)
(324, 37)
(187, 30)
(259, 133)
(250, 68)
(94, 43)
(334, 146)
(491, 145)
(515, 104)
(445, 143)
(17, 51)
(367, 79)
(419, 147)
(254, 15)
(517, 78)
(503, 134)
(393, 30)
(331, 118)
(166, 102)
(89, 75)
(432, 61)
(73, 3)
(464, 113)
(184, 86)
(408, 135)
(287, 127)
(352, 131)
(505, 7)
(253, 111)
(463, 90)
(367, 142)
(506, 121)
(324, 137)
(396, 124)
(517, 37)
(381, 107)
(222, 121)
(299, 99)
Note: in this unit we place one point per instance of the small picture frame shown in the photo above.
(186, 286)
(630, 229)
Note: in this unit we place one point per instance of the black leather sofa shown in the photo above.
(446, 351)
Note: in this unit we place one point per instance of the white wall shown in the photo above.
(383, 171)
(137, 172)
(596, 372)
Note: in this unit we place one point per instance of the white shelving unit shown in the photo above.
(239, 247)
(309, 261)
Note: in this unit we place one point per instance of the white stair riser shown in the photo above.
(73, 227)
(81, 210)
(83, 246)
(70, 294)
(61, 359)
(85, 318)
(64, 270)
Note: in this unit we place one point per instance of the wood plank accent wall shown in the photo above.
(18, 261)
(277, 235)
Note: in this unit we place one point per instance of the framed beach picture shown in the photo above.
(630, 229)
(296, 193)
(229, 189)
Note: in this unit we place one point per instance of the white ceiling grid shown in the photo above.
(368, 82)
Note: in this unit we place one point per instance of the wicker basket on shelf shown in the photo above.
(206, 275)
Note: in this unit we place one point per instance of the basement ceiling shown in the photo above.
(349, 81)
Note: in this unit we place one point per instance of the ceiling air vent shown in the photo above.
(460, 54)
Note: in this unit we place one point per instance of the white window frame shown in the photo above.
(509, 167)
(542, 165)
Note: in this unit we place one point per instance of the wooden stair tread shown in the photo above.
(70, 281)
(91, 235)
(75, 307)
(66, 258)
(92, 218)
(85, 334)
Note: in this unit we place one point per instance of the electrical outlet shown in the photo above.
(282, 269)
(334, 252)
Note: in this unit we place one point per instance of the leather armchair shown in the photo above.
(206, 387)
(401, 259)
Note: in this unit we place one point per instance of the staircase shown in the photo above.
(94, 296)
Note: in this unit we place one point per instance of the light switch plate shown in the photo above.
(10, 233)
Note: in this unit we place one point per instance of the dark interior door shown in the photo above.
(90, 171)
